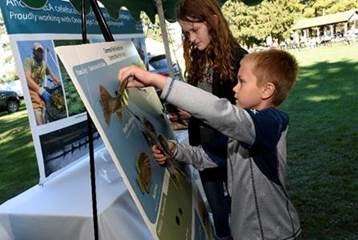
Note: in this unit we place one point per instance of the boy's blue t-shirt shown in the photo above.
(269, 125)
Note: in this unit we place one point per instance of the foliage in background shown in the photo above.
(73, 100)
(7, 62)
(274, 18)
(151, 30)
(252, 25)
(323, 7)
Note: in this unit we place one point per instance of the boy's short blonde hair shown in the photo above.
(276, 66)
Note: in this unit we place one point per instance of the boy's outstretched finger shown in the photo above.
(127, 72)
(138, 76)
(123, 73)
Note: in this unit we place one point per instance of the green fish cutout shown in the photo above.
(144, 173)
(115, 104)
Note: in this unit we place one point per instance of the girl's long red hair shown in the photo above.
(219, 53)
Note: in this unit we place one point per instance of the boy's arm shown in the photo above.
(219, 113)
(195, 156)
(232, 121)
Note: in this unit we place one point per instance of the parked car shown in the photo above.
(9, 100)
(159, 64)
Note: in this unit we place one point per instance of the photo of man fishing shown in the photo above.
(41, 74)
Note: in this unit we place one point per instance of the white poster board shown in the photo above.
(170, 207)
(59, 126)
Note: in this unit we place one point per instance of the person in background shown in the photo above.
(212, 59)
(257, 130)
(36, 71)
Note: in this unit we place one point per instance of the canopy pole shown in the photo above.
(83, 21)
(163, 29)
(90, 134)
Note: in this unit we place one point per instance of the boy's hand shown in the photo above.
(159, 155)
(142, 78)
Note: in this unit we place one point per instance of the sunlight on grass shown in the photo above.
(340, 52)
(322, 98)
(311, 86)
(11, 133)
(333, 70)
(29, 145)
(304, 74)
(323, 141)
(14, 116)
(18, 162)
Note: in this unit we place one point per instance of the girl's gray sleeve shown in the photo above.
(194, 155)
(219, 113)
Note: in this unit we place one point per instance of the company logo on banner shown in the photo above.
(56, 113)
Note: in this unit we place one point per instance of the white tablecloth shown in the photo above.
(61, 209)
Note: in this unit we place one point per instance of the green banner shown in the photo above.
(134, 6)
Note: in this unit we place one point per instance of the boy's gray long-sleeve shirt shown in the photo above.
(260, 208)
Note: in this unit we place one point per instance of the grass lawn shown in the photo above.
(323, 142)
(18, 166)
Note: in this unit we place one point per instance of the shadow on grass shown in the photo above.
(18, 162)
(323, 149)
(21, 107)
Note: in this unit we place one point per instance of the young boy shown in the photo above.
(260, 207)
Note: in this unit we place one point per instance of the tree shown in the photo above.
(343, 5)
(7, 62)
(317, 8)
(323, 7)
(252, 25)
(151, 30)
